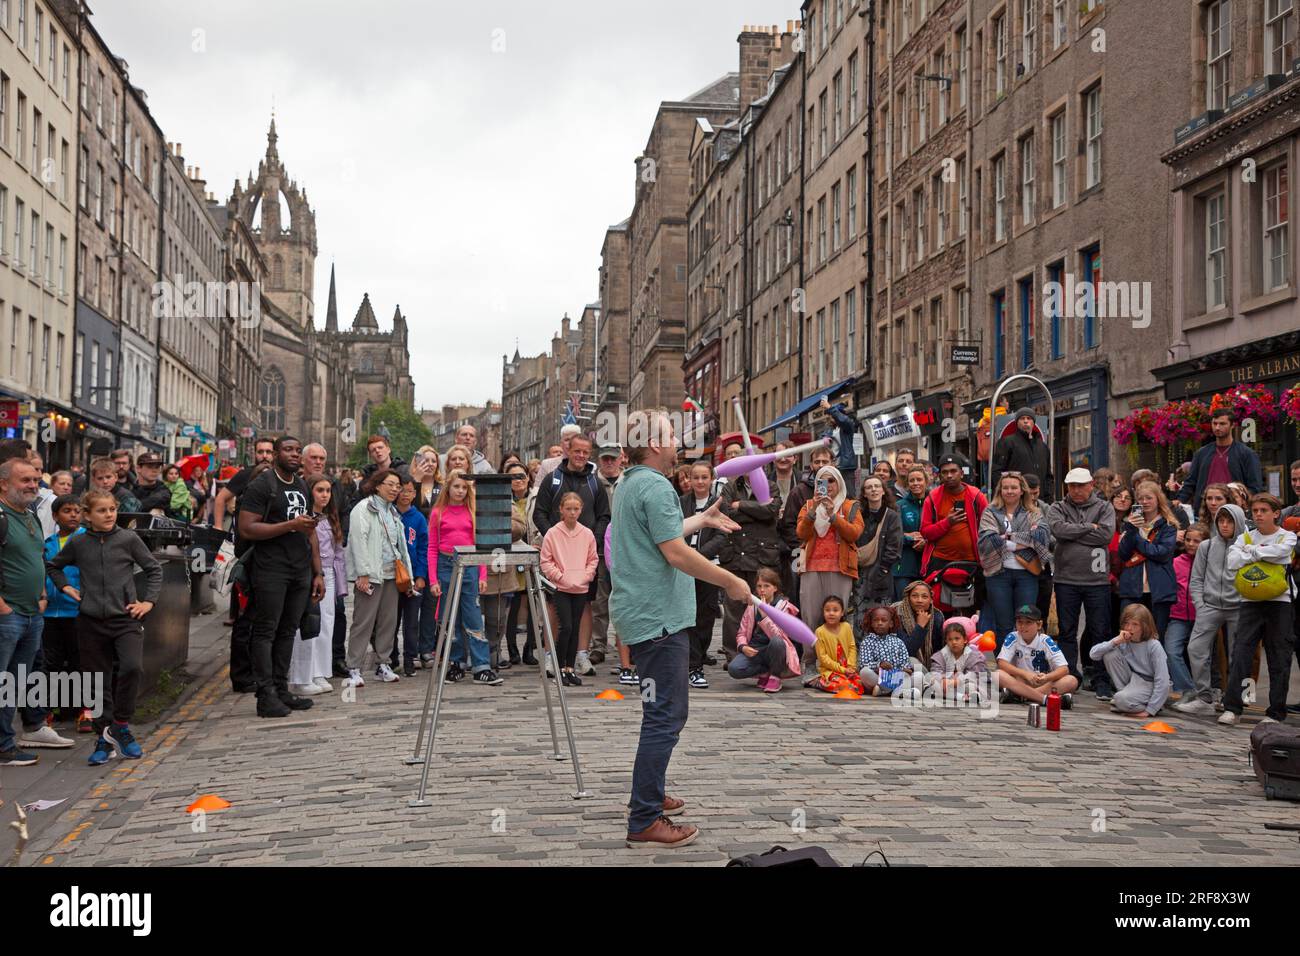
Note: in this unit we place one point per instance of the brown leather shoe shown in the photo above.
(673, 806)
(663, 833)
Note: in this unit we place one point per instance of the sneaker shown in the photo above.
(583, 664)
(1104, 691)
(454, 673)
(697, 678)
(385, 674)
(1228, 718)
(515, 659)
(503, 663)
(662, 834)
(1267, 720)
(529, 657)
(617, 669)
(102, 753)
(770, 685)
(1067, 702)
(121, 739)
(305, 690)
(627, 675)
(426, 660)
(354, 678)
(325, 686)
(340, 668)
(408, 669)
(1196, 707)
(14, 757)
(272, 706)
(489, 678)
(710, 660)
(1216, 695)
(294, 702)
(85, 723)
(596, 657)
(45, 736)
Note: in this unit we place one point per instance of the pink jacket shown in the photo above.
(569, 558)
(448, 529)
(771, 630)
(1183, 609)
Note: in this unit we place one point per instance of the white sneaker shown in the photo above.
(1228, 718)
(1196, 707)
(354, 678)
(583, 664)
(305, 690)
(550, 672)
(325, 686)
(44, 737)
(385, 674)
(1267, 720)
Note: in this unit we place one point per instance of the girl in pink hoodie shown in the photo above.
(569, 562)
(1183, 614)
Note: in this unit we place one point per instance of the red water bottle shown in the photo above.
(1053, 711)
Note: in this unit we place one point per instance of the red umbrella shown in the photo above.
(191, 463)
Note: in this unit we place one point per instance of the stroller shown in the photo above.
(952, 588)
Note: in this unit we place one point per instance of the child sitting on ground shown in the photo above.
(1136, 663)
(837, 653)
(1031, 666)
(958, 667)
(882, 655)
(768, 654)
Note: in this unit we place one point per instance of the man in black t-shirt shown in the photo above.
(241, 630)
(285, 572)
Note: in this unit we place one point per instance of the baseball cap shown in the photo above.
(149, 458)
(1028, 612)
(1078, 476)
(609, 451)
(957, 460)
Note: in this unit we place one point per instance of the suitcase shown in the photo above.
(1275, 756)
(780, 856)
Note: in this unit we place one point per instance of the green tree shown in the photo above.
(405, 432)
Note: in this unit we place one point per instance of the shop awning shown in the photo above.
(808, 404)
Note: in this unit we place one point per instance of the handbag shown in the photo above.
(869, 552)
(222, 565)
(1260, 580)
(1033, 565)
(401, 576)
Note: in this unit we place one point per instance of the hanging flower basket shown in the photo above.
(1132, 428)
(1253, 402)
(1289, 405)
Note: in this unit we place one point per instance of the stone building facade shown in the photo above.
(525, 430)
(240, 334)
(613, 338)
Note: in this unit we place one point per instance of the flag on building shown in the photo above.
(691, 405)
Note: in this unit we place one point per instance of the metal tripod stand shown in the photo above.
(529, 559)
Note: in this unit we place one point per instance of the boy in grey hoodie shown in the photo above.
(1214, 594)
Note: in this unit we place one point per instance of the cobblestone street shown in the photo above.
(925, 787)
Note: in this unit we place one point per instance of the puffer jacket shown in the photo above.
(375, 538)
(1156, 547)
(1211, 584)
(1183, 609)
(908, 564)
(756, 544)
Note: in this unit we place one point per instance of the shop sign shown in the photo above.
(9, 414)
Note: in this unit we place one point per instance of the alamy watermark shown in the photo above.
(1072, 299)
(240, 301)
(64, 690)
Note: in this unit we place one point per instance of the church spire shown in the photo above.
(272, 154)
(332, 309)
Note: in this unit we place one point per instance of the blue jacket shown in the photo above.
(847, 428)
(908, 564)
(60, 605)
(416, 529)
(1159, 564)
(1243, 466)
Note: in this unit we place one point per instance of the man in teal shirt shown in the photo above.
(652, 605)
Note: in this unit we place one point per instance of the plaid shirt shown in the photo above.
(873, 649)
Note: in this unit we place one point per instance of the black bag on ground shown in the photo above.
(780, 856)
(1275, 755)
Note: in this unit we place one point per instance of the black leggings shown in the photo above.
(568, 608)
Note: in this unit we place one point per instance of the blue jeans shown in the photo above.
(428, 622)
(469, 629)
(1007, 590)
(1176, 634)
(1094, 601)
(661, 663)
(20, 640)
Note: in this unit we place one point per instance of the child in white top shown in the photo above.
(1031, 666)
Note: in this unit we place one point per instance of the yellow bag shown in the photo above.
(1261, 580)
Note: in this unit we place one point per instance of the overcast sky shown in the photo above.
(468, 184)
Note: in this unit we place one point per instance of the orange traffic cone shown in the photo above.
(610, 694)
(207, 803)
(1159, 727)
(847, 693)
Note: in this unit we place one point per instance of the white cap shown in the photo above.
(1078, 476)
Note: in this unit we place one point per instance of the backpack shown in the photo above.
(1261, 580)
(557, 478)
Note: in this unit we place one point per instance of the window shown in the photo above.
(31, 350)
(940, 192)
(850, 332)
(821, 348)
(67, 56)
(45, 358)
(1000, 55)
(999, 335)
(853, 88)
(33, 250)
(49, 254)
(962, 62)
(99, 99)
(1000, 198)
(22, 24)
(944, 89)
(1218, 53)
(835, 218)
(835, 341)
(63, 265)
(82, 175)
(1279, 34)
(1058, 160)
(920, 217)
(1028, 32)
(837, 84)
(1092, 115)
(821, 129)
(1026, 290)
(1056, 275)
(94, 373)
(36, 38)
(887, 127)
(21, 139)
(78, 364)
(4, 111)
(272, 400)
(922, 108)
(789, 146)
(821, 230)
(963, 205)
(1028, 194)
(1091, 275)
(851, 190)
(1060, 25)
(63, 170)
(1276, 201)
(904, 126)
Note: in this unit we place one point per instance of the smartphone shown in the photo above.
(1136, 512)
(823, 487)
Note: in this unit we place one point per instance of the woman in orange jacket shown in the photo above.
(828, 528)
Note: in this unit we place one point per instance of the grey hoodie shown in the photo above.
(106, 560)
(1211, 584)
(1081, 557)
